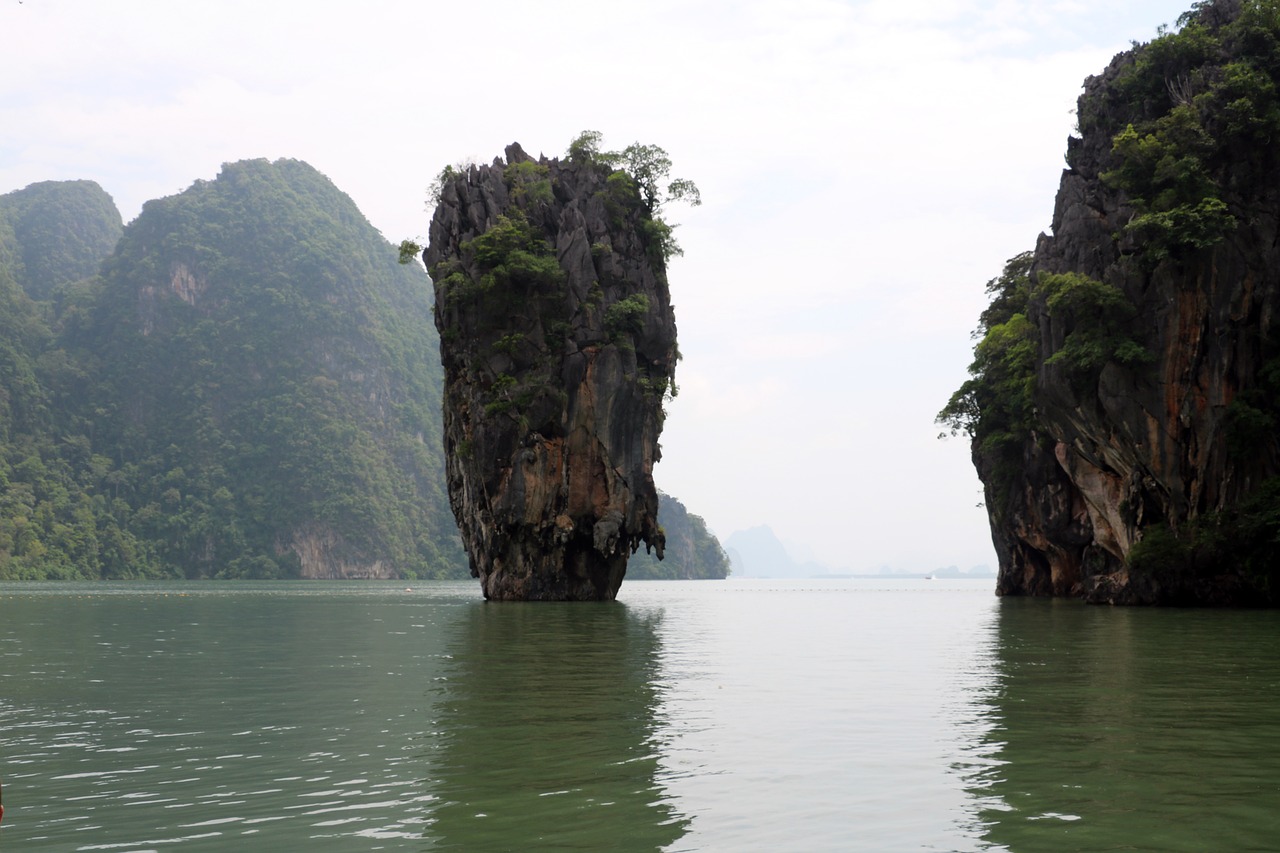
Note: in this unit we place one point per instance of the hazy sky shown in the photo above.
(866, 166)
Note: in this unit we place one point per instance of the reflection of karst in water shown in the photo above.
(1132, 729)
(546, 732)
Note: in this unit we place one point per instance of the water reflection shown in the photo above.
(545, 737)
(1133, 729)
(141, 719)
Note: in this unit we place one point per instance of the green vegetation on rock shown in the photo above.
(1125, 389)
(558, 342)
(56, 233)
(645, 169)
(1098, 316)
(995, 406)
(1204, 112)
(250, 389)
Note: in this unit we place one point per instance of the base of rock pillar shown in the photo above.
(572, 574)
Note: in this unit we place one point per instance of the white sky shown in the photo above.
(865, 165)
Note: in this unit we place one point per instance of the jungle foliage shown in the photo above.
(1201, 111)
(250, 364)
(994, 406)
(56, 233)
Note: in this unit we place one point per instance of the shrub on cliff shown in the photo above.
(647, 168)
(1097, 316)
(514, 261)
(994, 407)
(1205, 110)
(1235, 547)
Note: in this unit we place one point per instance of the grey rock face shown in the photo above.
(559, 343)
(1141, 445)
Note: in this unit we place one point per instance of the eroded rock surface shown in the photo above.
(559, 343)
(1176, 438)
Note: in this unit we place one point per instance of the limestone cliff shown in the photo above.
(263, 373)
(559, 343)
(1138, 466)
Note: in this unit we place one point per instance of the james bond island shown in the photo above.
(1124, 405)
(559, 348)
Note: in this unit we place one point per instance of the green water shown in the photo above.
(740, 715)
(1135, 729)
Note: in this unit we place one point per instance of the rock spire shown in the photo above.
(559, 344)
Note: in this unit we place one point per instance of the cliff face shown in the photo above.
(558, 342)
(264, 371)
(1144, 474)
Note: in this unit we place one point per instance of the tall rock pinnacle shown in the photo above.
(559, 344)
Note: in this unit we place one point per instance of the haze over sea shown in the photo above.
(872, 714)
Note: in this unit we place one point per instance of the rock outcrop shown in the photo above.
(1145, 474)
(323, 554)
(559, 343)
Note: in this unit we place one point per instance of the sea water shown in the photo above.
(825, 715)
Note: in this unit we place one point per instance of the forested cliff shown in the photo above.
(692, 552)
(242, 383)
(250, 388)
(1125, 396)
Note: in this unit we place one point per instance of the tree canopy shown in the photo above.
(648, 165)
(252, 366)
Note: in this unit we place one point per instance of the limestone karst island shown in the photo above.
(1125, 390)
(559, 346)
(244, 383)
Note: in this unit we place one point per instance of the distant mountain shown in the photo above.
(758, 553)
(692, 551)
(956, 572)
